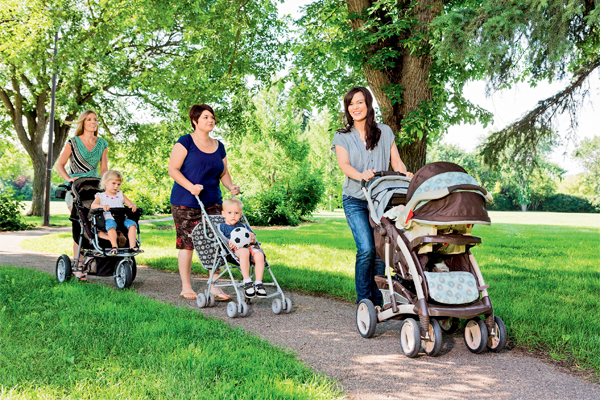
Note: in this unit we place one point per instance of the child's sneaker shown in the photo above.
(249, 290)
(260, 290)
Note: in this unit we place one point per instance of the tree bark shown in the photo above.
(411, 73)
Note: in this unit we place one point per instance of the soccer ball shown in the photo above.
(240, 237)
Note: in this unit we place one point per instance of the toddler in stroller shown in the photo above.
(89, 227)
(214, 251)
(432, 279)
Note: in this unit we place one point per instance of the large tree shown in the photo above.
(168, 54)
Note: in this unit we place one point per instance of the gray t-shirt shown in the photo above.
(363, 159)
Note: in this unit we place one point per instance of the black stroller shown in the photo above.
(88, 226)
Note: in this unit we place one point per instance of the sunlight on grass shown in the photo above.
(544, 280)
(90, 341)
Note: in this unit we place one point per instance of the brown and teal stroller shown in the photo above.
(432, 280)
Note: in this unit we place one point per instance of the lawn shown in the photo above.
(59, 215)
(544, 279)
(90, 341)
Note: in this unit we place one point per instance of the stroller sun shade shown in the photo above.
(381, 191)
(465, 202)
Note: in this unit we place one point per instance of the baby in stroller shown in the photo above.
(111, 198)
(232, 212)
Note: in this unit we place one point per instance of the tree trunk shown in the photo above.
(410, 74)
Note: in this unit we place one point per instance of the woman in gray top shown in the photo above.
(364, 147)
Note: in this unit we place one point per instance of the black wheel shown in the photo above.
(476, 335)
(449, 325)
(410, 338)
(63, 268)
(133, 269)
(366, 318)
(123, 274)
(497, 341)
(432, 347)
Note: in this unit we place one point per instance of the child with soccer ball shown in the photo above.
(232, 212)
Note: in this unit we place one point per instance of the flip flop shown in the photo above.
(221, 297)
(188, 296)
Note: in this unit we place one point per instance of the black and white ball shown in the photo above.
(240, 237)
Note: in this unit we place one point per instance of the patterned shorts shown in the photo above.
(186, 219)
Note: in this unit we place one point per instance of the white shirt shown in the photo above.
(111, 201)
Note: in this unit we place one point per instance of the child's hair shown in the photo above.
(235, 201)
(108, 175)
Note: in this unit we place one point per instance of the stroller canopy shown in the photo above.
(381, 190)
(463, 200)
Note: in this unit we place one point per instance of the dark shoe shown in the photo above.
(135, 250)
(249, 290)
(113, 251)
(82, 278)
(260, 290)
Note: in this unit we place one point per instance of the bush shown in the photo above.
(11, 218)
(152, 201)
(570, 204)
(501, 202)
(306, 192)
(271, 207)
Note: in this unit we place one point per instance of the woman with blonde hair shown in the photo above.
(84, 152)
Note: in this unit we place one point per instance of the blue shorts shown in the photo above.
(112, 224)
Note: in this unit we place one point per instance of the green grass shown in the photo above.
(544, 280)
(90, 341)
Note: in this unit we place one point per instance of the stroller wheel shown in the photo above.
(201, 300)
(410, 338)
(476, 335)
(243, 309)
(366, 318)
(449, 325)
(63, 268)
(123, 274)
(277, 306)
(232, 310)
(288, 305)
(432, 347)
(497, 342)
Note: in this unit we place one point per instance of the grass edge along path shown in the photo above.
(544, 281)
(79, 340)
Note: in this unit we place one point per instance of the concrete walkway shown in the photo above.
(323, 333)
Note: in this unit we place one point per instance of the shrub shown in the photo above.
(152, 201)
(567, 203)
(305, 192)
(501, 202)
(11, 218)
(270, 207)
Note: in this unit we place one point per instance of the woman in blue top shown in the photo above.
(364, 147)
(198, 163)
(84, 152)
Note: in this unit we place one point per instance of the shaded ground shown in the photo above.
(322, 332)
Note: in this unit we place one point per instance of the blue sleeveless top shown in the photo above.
(200, 168)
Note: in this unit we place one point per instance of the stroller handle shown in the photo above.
(379, 175)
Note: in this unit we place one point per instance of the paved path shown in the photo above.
(322, 332)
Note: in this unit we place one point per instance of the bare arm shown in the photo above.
(396, 161)
(96, 204)
(62, 161)
(348, 170)
(129, 203)
(175, 162)
(104, 162)
(227, 181)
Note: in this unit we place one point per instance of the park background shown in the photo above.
(275, 76)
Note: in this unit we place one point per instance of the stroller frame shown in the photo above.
(223, 255)
(424, 321)
(126, 269)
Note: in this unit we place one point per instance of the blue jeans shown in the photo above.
(112, 224)
(368, 264)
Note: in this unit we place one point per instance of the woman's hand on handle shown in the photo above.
(196, 189)
(235, 190)
(368, 174)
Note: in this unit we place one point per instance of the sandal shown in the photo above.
(188, 296)
(113, 251)
(82, 278)
(135, 250)
(219, 296)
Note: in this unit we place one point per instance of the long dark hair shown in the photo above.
(373, 133)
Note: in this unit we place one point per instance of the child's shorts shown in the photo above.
(112, 224)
